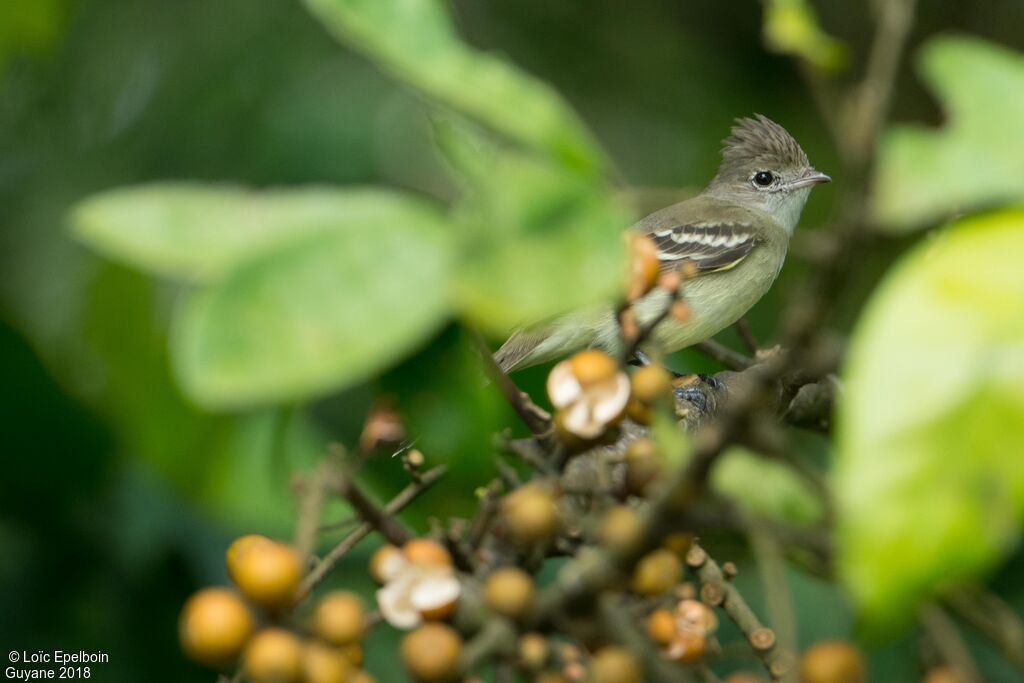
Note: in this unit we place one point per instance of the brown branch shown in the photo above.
(389, 527)
(941, 629)
(397, 504)
(536, 419)
(993, 618)
(747, 335)
(718, 591)
(724, 355)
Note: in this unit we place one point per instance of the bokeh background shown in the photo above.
(117, 496)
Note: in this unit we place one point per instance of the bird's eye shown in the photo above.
(764, 178)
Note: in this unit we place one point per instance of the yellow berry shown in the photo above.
(339, 618)
(325, 664)
(651, 385)
(642, 466)
(657, 572)
(621, 529)
(530, 514)
(533, 651)
(268, 573)
(644, 265)
(214, 625)
(615, 665)
(832, 661)
(238, 547)
(431, 653)
(384, 562)
(274, 655)
(509, 591)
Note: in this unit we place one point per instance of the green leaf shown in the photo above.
(316, 315)
(976, 159)
(930, 478)
(765, 487)
(537, 240)
(416, 41)
(198, 232)
(790, 27)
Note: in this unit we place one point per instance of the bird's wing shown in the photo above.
(706, 247)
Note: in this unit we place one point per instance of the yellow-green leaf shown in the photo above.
(930, 472)
(976, 159)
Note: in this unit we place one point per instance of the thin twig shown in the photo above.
(404, 497)
(718, 591)
(747, 335)
(536, 419)
(949, 643)
(724, 355)
(389, 527)
(993, 618)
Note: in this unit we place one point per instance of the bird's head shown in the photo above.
(764, 167)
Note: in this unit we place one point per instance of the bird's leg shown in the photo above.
(698, 389)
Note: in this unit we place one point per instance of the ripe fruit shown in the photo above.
(509, 591)
(591, 367)
(642, 466)
(274, 655)
(214, 625)
(620, 529)
(339, 618)
(832, 661)
(688, 647)
(385, 562)
(533, 651)
(644, 265)
(431, 653)
(530, 514)
(615, 665)
(426, 552)
(651, 385)
(657, 572)
(238, 548)
(267, 572)
(661, 626)
(325, 664)
(694, 615)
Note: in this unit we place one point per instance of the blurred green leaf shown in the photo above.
(671, 440)
(790, 27)
(316, 315)
(765, 487)
(977, 158)
(199, 232)
(930, 478)
(537, 240)
(30, 25)
(416, 41)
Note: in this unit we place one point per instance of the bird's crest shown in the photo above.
(761, 141)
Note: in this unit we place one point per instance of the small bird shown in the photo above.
(732, 238)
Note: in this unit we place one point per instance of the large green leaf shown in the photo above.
(977, 158)
(537, 239)
(415, 40)
(317, 314)
(199, 232)
(764, 487)
(930, 475)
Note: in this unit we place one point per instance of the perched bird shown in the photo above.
(732, 238)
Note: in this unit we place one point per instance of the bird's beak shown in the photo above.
(810, 178)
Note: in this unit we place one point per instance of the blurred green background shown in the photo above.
(118, 496)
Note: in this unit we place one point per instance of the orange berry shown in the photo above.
(427, 552)
(661, 626)
(431, 653)
(591, 367)
(644, 265)
(339, 618)
(696, 616)
(509, 591)
(832, 661)
(214, 625)
(269, 573)
(273, 655)
(688, 647)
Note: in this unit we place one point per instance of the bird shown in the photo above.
(731, 239)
